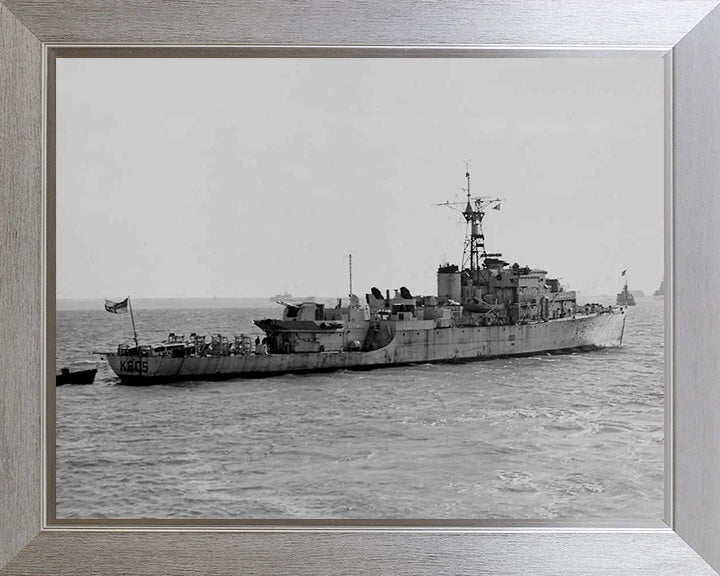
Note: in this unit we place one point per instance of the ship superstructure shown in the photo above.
(489, 287)
(484, 308)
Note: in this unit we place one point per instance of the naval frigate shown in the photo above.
(484, 308)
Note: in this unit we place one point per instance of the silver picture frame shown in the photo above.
(686, 34)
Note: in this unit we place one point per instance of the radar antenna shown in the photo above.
(474, 212)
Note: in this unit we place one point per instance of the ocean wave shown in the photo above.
(550, 436)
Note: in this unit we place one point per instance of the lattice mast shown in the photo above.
(474, 252)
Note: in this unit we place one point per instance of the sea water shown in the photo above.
(546, 437)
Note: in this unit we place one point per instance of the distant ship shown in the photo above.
(483, 309)
(625, 297)
(283, 296)
(660, 291)
(287, 296)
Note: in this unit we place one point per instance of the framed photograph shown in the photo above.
(411, 475)
(298, 301)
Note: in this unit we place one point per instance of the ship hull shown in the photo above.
(409, 345)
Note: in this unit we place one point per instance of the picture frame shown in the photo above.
(685, 34)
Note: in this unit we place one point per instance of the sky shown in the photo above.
(249, 177)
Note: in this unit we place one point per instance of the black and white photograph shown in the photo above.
(359, 288)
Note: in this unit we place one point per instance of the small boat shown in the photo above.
(77, 377)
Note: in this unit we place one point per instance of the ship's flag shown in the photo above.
(116, 307)
(623, 273)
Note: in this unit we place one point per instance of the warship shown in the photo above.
(625, 297)
(284, 296)
(661, 290)
(485, 308)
